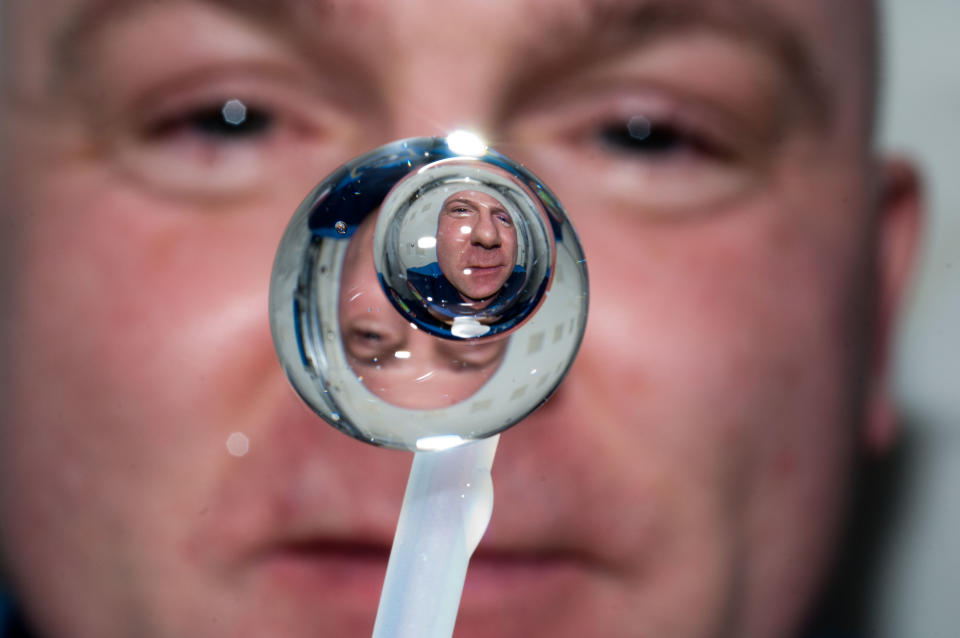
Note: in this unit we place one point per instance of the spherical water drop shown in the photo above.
(419, 331)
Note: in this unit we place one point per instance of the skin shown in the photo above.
(403, 366)
(689, 477)
(476, 244)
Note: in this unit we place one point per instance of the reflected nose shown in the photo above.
(485, 232)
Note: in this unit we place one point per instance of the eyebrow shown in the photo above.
(606, 27)
(471, 204)
(292, 16)
(601, 27)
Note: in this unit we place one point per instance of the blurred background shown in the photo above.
(915, 582)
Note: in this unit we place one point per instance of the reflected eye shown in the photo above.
(372, 344)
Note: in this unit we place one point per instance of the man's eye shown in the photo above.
(640, 136)
(231, 120)
(632, 138)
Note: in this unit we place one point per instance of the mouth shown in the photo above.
(350, 575)
(485, 269)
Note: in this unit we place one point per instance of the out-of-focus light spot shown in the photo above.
(402, 354)
(234, 112)
(466, 143)
(441, 442)
(238, 444)
(639, 127)
(424, 377)
(467, 271)
(467, 328)
(465, 230)
(427, 242)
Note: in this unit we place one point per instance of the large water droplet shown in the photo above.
(430, 331)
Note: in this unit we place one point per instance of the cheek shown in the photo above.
(727, 336)
(141, 331)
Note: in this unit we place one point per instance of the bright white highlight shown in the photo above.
(427, 242)
(441, 442)
(467, 328)
(466, 143)
(465, 230)
(402, 354)
(238, 444)
(234, 112)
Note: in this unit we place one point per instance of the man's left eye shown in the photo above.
(232, 119)
(653, 140)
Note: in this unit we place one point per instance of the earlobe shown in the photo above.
(898, 225)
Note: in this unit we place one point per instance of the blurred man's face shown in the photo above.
(686, 479)
(476, 244)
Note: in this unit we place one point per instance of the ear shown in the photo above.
(898, 225)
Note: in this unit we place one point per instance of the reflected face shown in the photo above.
(714, 158)
(403, 366)
(476, 244)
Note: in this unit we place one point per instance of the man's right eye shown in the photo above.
(231, 120)
(658, 140)
(229, 136)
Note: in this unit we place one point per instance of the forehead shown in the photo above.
(471, 196)
(825, 46)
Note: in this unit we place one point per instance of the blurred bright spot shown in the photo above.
(427, 242)
(402, 354)
(467, 328)
(639, 127)
(441, 442)
(238, 444)
(465, 229)
(466, 143)
(234, 112)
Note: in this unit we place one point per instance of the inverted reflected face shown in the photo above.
(399, 363)
(476, 244)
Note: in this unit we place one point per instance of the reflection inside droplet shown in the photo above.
(390, 356)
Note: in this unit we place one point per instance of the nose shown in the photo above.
(485, 232)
